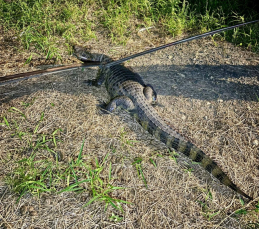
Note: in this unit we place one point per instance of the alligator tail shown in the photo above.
(197, 155)
(152, 122)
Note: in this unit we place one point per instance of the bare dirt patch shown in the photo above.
(208, 92)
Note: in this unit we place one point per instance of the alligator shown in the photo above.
(128, 91)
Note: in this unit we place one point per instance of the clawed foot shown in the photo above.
(102, 106)
(91, 83)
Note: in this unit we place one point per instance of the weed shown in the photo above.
(16, 110)
(31, 176)
(189, 171)
(173, 155)
(42, 139)
(241, 212)
(37, 126)
(152, 162)
(71, 171)
(28, 103)
(101, 190)
(5, 122)
(244, 211)
(125, 141)
(115, 218)
(137, 162)
(25, 104)
(206, 211)
(35, 175)
(28, 60)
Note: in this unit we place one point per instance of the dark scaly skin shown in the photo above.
(128, 90)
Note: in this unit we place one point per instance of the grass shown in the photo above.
(137, 162)
(37, 174)
(48, 27)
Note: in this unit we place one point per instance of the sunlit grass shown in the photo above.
(51, 26)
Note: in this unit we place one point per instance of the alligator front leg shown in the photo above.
(99, 79)
(123, 102)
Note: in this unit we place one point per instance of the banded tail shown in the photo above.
(152, 122)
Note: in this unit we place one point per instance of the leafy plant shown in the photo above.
(6, 123)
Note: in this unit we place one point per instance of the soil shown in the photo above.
(208, 91)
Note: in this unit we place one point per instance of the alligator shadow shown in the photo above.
(203, 82)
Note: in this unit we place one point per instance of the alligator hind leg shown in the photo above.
(123, 102)
(150, 93)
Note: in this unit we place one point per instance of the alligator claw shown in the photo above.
(91, 83)
(102, 107)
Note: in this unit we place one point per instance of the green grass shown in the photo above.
(40, 169)
(137, 163)
(48, 26)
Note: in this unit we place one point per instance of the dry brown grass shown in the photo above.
(206, 92)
